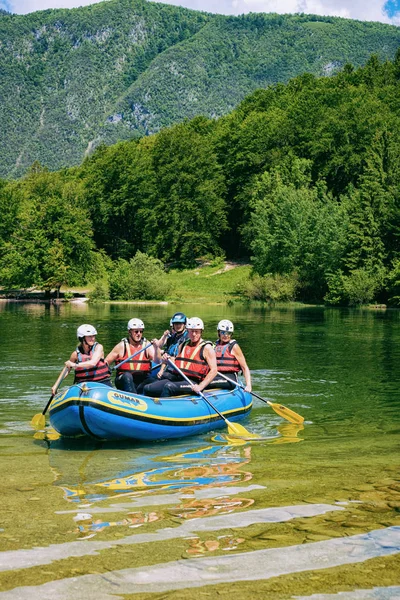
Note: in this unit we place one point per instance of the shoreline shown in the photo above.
(85, 300)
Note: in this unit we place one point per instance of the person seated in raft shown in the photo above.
(230, 358)
(196, 359)
(87, 360)
(133, 374)
(170, 342)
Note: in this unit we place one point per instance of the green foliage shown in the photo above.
(359, 287)
(50, 243)
(73, 79)
(335, 294)
(142, 278)
(64, 71)
(304, 177)
(187, 213)
(100, 292)
(295, 227)
(269, 288)
(394, 284)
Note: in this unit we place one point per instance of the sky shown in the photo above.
(385, 11)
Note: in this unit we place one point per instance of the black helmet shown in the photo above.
(178, 318)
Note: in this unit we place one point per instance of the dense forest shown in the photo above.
(73, 79)
(302, 177)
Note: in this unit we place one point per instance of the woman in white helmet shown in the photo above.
(133, 374)
(230, 358)
(196, 359)
(87, 360)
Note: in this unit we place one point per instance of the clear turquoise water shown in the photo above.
(308, 512)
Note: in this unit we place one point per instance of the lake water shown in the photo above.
(309, 512)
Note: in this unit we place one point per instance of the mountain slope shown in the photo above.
(230, 57)
(64, 70)
(72, 79)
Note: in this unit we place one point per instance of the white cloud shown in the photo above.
(364, 10)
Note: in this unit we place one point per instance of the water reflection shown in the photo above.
(198, 478)
(147, 470)
(154, 475)
(88, 526)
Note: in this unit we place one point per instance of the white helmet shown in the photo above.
(135, 324)
(225, 325)
(85, 330)
(194, 323)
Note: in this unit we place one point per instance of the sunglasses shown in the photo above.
(225, 333)
(136, 330)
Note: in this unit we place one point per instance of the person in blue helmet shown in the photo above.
(196, 359)
(176, 335)
(169, 343)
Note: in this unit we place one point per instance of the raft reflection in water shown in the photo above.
(199, 479)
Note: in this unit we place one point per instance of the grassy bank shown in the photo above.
(208, 284)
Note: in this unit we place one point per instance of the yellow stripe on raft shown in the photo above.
(134, 408)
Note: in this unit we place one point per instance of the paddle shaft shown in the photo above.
(282, 411)
(242, 386)
(61, 376)
(172, 364)
(132, 356)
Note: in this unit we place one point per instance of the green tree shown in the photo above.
(369, 208)
(188, 214)
(51, 243)
(142, 278)
(296, 228)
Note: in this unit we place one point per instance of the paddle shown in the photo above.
(132, 356)
(282, 411)
(233, 428)
(39, 420)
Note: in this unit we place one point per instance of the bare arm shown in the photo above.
(70, 364)
(97, 355)
(209, 355)
(238, 354)
(116, 352)
(154, 353)
(163, 339)
(55, 387)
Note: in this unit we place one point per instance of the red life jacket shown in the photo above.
(139, 363)
(226, 361)
(98, 373)
(191, 360)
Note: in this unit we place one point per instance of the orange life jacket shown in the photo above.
(226, 361)
(139, 363)
(98, 373)
(191, 361)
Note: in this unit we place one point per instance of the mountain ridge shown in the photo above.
(76, 78)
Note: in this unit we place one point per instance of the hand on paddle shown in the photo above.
(66, 371)
(196, 389)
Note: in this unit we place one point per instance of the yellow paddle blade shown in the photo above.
(286, 413)
(233, 440)
(236, 429)
(48, 434)
(38, 421)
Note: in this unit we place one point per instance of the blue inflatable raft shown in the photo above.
(104, 413)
